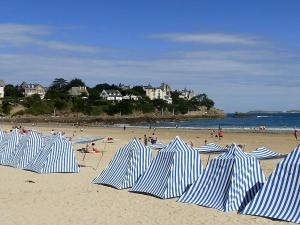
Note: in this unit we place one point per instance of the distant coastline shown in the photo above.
(116, 119)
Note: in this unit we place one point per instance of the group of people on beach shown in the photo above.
(218, 134)
(152, 139)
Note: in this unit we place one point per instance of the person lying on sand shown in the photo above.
(91, 149)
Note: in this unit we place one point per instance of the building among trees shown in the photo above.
(32, 89)
(78, 91)
(2, 85)
(186, 94)
(111, 95)
(162, 92)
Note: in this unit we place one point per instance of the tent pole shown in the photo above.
(102, 153)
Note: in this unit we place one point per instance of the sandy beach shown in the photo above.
(38, 199)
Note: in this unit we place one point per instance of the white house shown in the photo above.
(111, 95)
(2, 86)
(131, 97)
(31, 89)
(186, 94)
(162, 92)
(77, 91)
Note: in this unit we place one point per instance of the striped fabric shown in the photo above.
(211, 148)
(129, 163)
(280, 196)
(26, 150)
(56, 156)
(2, 135)
(172, 171)
(9, 145)
(228, 183)
(264, 153)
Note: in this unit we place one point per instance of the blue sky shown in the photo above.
(244, 55)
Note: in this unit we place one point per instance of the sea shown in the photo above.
(253, 121)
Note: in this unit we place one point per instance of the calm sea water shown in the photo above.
(284, 121)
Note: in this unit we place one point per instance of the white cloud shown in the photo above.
(208, 38)
(21, 35)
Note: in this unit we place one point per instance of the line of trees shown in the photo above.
(57, 99)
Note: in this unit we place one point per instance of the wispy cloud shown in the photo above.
(208, 38)
(21, 35)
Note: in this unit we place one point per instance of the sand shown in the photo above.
(72, 199)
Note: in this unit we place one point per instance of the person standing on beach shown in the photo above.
(153, 139)
(145, 140)
(296, 134)
(220, 134)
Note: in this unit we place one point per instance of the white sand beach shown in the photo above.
(38, 199)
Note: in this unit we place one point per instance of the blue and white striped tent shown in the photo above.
(26, 150)
(265, 153)
(56, 156)
(280, 196)
(211, 148)
(129, 163)
(172, 171)
(2, 135)
(8, 146)
(228, 183)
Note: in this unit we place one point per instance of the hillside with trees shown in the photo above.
(58, 101)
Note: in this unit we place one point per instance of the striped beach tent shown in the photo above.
(211, 148)
(56, 156)
(129, 163)
(265, 153)
(2, 135)
(29, 146)
(8, 146)
(228, 183)
(172, 171)
(280, 196)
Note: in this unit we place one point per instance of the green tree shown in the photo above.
(58, 84)
(12, 91)
(75, 83)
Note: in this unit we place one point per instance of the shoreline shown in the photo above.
(254, 130)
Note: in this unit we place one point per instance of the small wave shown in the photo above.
(263, 116)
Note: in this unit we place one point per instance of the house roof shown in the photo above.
(112, 92)
(32, 86)
(75, 91)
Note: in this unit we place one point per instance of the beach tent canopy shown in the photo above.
(8, 145)
(211, 148)
(280, 196)
(171, 172)
(2, 135)
(228, 183)
(25, 151)
(129, 163)
(56, 156)
(86, 139)
(265, 153)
